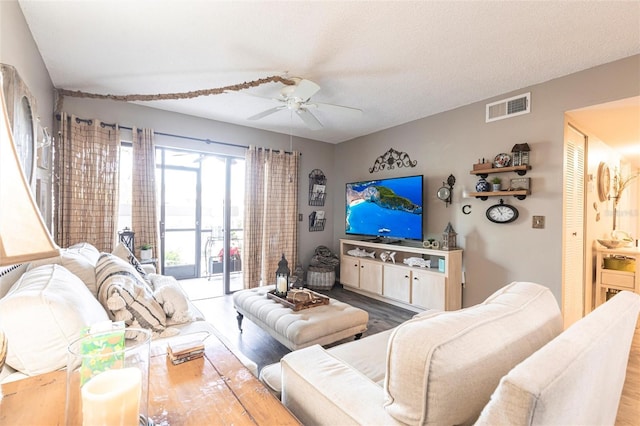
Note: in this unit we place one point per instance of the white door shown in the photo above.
(573, 251)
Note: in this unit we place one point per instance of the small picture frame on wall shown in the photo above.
(520, 184)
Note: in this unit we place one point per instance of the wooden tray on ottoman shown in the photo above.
(298, 305)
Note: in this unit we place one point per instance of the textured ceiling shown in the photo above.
(398, 61)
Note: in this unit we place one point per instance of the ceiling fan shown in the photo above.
(297, 98)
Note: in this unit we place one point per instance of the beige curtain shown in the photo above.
(144, 218)
(86, 182)
(271, 207)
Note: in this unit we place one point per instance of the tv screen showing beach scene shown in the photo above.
(390, 208)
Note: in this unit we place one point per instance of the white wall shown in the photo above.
(449, 143)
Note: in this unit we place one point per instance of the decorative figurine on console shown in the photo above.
(282, 277)
(449, 238)
(388, 255)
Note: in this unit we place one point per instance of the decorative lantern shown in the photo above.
(282, 277)
(127, 238)
(449, 238)
(520, 154)
(516, 155)
(524, 154)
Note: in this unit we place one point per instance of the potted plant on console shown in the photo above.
(146, 251)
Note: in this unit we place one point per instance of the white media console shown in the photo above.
(412, 287)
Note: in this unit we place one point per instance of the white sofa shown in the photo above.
(503, 362)
(45, 304)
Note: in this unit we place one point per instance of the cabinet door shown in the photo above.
(350, 271)
(396, 282)
(371, 276)
(427, 290)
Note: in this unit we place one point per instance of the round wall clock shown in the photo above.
(604, 181)
(23, 135)
(502, 213)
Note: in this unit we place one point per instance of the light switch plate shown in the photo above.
(300, 217)
(538, 222)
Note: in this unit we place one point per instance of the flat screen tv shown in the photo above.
(387, 208)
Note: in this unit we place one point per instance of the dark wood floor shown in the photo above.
(263, 349)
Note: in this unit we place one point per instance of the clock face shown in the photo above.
(444, 193)
(23, 137)
(502, 213)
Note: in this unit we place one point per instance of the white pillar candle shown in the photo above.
(281, 284)
(112, 398)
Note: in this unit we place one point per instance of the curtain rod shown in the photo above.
(192, 138)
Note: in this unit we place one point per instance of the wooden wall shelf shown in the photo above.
(520, 170)
(520, 195)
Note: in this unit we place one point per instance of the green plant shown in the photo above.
(172, 258)
(146, 246)
(496, 180)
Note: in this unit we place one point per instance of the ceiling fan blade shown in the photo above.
(243, 93)
(309, 119)
(337, 108)
(304, 90)
(265, 113)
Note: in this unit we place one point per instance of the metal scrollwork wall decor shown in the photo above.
(392, 159)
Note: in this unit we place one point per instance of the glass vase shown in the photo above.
(108, 379)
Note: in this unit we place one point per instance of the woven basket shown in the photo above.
(620, 263)
(320, 278)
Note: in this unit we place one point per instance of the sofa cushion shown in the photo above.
(126, 296)
(74, 262)
(442, 369)
(10, 275)
(123, 252)
(41, 314)
(87, 250)
(577, 378)
(367, 355)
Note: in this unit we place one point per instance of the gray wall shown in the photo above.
(443, 144)
(451, 142)
(17, 48)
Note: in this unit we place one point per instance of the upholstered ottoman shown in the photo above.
(320, 325)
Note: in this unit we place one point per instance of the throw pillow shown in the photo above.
(123, 252)
(126, 296)
(41, 314)
(174, 301)
(75, 263)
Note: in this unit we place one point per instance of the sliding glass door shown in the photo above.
(179, 195)
(201, 208)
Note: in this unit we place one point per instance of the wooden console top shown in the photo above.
(215, 389)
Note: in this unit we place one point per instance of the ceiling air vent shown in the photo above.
(511, 107)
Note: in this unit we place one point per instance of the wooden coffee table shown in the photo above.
(215, 389)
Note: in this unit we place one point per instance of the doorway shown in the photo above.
(612, 130)
(201, 209)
